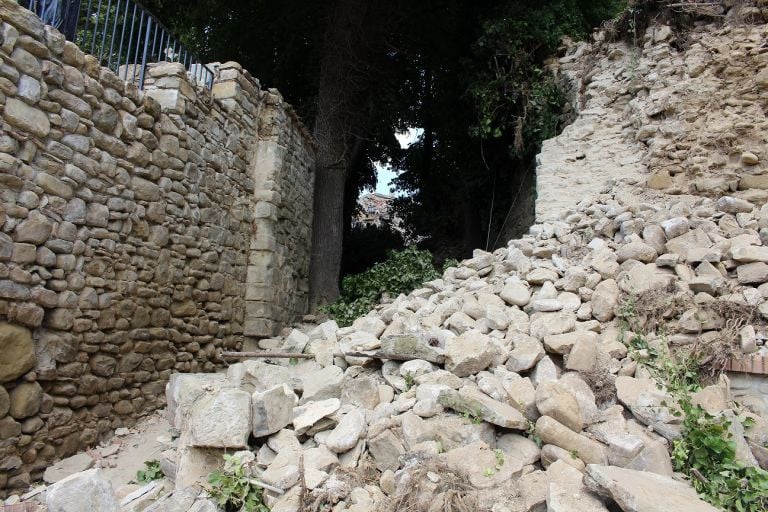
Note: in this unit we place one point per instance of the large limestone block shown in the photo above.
(272, 409)
(221, 420)
(604, 300)
(470, 400)
(640, 491)
(554, 400)
(553, 432)
(322, 384)
(82, 491)
(18, 352)
(27, 118)
(468, 354)
(344, 437)
(184, 389)
(25, 400)
(195, 464)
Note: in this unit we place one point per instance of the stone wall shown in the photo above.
(140, 233)
(682, 113)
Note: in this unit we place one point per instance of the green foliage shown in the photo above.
(499, 458)
(679, 373)
(707, 454)
(511, 93)
(233, 489)
(532, 434)
(150, 472)
(400, 273)
(410, 380)
(472, 416)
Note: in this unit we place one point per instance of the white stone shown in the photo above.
(272, 409)
(86, 490)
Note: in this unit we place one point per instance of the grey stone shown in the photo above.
(67, 467)
(36, 229)
(553, 432)
(345, 435)
(25, 400)
(221, 420)
(27, 118)
(639, 491)
(18, 352)
(470, 400)
(305, 416)
(468, 354)
(86, 490)
(554, 400)
(272, 409)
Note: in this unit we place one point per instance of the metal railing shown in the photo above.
(122, 34)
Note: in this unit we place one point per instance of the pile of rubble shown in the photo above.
(478, 390)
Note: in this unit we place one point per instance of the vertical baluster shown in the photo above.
(144, 56)
(87, 22)
(122, 37)
(105, 30)
(114, 31)
(130, 42)
(138, 41)
(154, 40)
(160, 50)
(92, 50)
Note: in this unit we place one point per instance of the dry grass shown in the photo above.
(452, 492)
(602, 384)
(657, 311)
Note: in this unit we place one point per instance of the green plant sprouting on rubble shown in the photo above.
(706, 452)
(233, 488)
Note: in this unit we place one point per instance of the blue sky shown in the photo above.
(386, 174)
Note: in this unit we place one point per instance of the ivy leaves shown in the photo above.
(707, 453)
(400, 273)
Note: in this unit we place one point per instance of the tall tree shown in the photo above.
(468, 74)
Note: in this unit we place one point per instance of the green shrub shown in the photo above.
(150, 472)
(234, 490)
(707, 454)
(400, 273)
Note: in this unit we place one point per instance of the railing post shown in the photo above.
(144, 56)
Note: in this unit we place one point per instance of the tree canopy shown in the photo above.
(470, 74)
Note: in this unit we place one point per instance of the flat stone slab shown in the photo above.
(640, 491)
(66, 467)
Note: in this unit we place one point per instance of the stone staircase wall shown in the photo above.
(136, 228)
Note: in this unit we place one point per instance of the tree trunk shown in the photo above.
(338, 110)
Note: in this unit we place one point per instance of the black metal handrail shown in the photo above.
(122, 34)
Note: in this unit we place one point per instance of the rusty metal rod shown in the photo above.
(283, 355)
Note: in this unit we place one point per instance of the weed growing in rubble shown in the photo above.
(706, 452)
(233, 489)
(402, 272)
(472, 416)
(532, 434)
(410, 380)
(499, 458)
(150, 472)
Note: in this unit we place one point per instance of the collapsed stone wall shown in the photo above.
(133, 228)
(682, 113)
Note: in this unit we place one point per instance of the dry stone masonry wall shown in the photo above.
(140, 232)
(684, 112)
